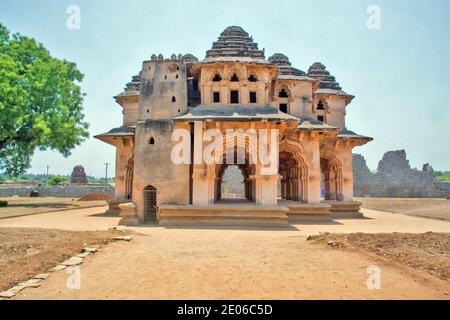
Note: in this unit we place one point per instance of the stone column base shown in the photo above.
(345, 209)
(128, 214)
(113, 206)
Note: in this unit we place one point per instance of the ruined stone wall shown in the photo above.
(444, 188)
(395, 178)
(67, 191)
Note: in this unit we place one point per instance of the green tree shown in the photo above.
(41, 104)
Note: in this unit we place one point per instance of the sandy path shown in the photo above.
(176, 263)
(89, 219)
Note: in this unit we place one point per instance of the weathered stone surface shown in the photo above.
(395, 178)
(32, 283)
(42, 276)
(58, 268)
(78, 175)
(125, 238)
(89, 249)
(8, 293)
(83, 254)
(73, 261)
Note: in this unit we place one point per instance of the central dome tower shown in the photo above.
(235, 42)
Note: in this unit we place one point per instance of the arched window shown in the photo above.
(320, 106)
(151, 141)
(234, 78)
(283, 94)
(252, 78)
(174, 99)
(217, 78)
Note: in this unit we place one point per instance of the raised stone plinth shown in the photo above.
(308, 212)
(113, 206)
(128, 214)
(224, 215)
(345, 209)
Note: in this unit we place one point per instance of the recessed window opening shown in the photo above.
(320, 106)
(283, 94)
(252, 97)
(217, 78)
(234, 96)
(252, 78)
(321, 118)
(234, 78)
(284, 107)
(216, 97)
(151, 141)
(174, 99)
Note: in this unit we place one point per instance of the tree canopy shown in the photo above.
(41, 103)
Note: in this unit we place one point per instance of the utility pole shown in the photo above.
(47, 170)
(106, 173)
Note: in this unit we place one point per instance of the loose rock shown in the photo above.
(58, 268)
(83, 255)
(125, 238)
(32, 283)
(72, 261)
(42, 276)
(7, 294)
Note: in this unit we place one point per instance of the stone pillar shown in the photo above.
(347, 173)
(224, 95)
(268, 190)
(244, 95)
(203, 186)
(312, 159)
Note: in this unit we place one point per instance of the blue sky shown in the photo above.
(399, 74)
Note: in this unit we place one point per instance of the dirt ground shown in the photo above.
(236, 263)
(428, 251)
(26, 252)
(27, 206)
(428, 208)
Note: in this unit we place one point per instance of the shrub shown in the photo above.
(3, 203)
(55, 180)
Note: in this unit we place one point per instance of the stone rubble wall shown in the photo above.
(67, 191)
(395, 178)
(444, 188)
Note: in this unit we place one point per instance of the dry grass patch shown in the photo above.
(428, 251)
